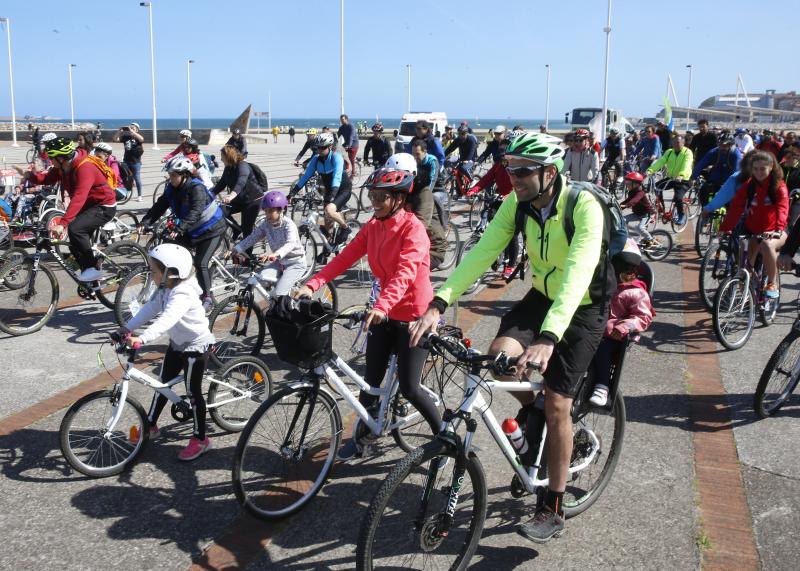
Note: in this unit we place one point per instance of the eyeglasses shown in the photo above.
(521, 172)
(378, 195)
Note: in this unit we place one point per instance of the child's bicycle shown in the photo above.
(287, 449)
(238, 321)
(431, 508)
(656, 191)
(105, 431)
(741, 295)
(28, 307)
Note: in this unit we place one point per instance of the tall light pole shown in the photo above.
(341, 59)
(607, 30)
(689, 96)
(71, 100)
(149, 7)
(269, 110)
(189, 63)
(408, 69)
(7, 22)
(547, 101)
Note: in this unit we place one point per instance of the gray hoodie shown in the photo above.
(283, 240)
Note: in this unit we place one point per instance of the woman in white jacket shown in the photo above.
(176, 310)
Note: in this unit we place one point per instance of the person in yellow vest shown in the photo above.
(275, 131)
(678, 162)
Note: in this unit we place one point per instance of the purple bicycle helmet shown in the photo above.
(274, 199)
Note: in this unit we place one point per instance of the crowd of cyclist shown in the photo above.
(576, 279)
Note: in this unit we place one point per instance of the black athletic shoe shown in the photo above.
(543, 527)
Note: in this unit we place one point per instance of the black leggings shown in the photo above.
(193, 366)
(204, 248)
(250, 210)
(393, 337)
(80, 232)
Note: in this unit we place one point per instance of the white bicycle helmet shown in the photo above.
(323, 141)
(105, 147)
(402, 162)
(181, 164)
(185, 133)
(174, 257)
(48, 137)
(500, 129)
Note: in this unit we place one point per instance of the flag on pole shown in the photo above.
(667, 113)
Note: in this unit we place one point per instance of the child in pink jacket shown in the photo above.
(630, 312)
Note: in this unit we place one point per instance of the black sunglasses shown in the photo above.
(521, 172)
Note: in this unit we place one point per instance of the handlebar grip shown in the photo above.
(136, 346)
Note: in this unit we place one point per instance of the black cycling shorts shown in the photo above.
(341, 198)
(573, 354)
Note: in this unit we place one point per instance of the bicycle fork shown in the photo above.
(297, 454)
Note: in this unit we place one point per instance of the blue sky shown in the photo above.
(469, 58)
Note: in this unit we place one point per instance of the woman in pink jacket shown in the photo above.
(397, 249)
(630, 312)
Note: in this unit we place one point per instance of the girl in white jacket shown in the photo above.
(176, 310)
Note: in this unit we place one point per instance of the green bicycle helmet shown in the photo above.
(59, 147)
(538, 147)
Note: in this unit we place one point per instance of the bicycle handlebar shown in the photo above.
(501, 363)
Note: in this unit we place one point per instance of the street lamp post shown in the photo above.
(547, 102)
(7, 22)
(189, 63)
(689, 96)
(149, 7)
(607, 30)
(71, 100)
(408, 68)
(341, 59)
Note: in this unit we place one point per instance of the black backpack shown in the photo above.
(260, 177)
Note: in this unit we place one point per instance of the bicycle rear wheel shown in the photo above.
(239, 328)
(89, 447)
(159, 190)
(453, 245)
(132, 294)
(12, 275)
(468, 245)
(714, 269)
(311, 251)
(475, 210)
(250, 385)
(678, 228)
(364, 203)
(734, 313)
(608, 426)
(402, 526)
(703, 228)
(286, 451)
(28, 308)
(780, 377)
(118, 262)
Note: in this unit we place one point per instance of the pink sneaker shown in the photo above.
(507, 272)
(195, 448)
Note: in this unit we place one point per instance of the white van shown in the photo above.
(406, 131)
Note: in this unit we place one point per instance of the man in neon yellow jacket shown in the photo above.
(678, 162)
(559, 323)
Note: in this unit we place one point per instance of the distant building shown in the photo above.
(769, 100)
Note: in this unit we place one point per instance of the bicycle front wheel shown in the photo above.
(608, 427)
(12, 274)
(286, 451)
(28, 308)
(159, 190)
(661, 246)
(88, 445)
(310, 248)
(403, 527)
(468, 245)
(119, 261)
(236, 391)
(453, 245)
(239, 329)
(132, 294)
(714, 269)
(734, 313)
(364, 203)
(703, 228)
(780, 376)
(676, 227)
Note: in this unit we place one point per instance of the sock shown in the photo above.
(553, 501)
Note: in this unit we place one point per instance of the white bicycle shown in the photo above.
(287, 449)
(100, 436)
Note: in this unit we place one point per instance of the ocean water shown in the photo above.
(390, 123)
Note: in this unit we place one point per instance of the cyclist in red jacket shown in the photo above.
(396, 245)
(92, 201)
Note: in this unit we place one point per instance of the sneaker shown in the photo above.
(138, 199)
(773, 291)
(342, 236)
(599, 396)
(350, 450)
(508, 272)
(195, 448)
(543, 527)
(90, 275)
(322, 258)
(680, 220)
(208, 303)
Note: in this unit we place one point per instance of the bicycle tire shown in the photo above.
(15, 303)
(248, 374)
(274, 497)
(663, 249)
(475, 210)
(713, 271)
(364, 203)
(453, 246)
(392, 519)
(468, 245)
(125, 199)
(126, 224)
(11, 274)
(693, 206)
(239, 330)
(132, 293)
(702, 235)
(784, 367)
(311, 250)
(328, 294)
(673, 220)
(158, 191)
(727, 298)
(120, 446)
(579, 497)
(120, 260)
(767, 315)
